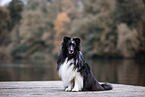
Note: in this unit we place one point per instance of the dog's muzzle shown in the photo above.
(71, 51)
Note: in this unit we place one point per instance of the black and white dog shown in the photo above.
(74, 71)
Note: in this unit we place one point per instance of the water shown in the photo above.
(114, 71)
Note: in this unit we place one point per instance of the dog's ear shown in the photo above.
(66, 39)
(77, 40)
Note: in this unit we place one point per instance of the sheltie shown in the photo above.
(75, 73)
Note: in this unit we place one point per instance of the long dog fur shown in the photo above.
(75, 73)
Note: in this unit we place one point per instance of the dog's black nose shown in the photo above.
(71, 51)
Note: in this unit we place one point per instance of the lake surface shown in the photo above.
(114, 71)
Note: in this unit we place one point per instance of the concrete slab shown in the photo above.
(55, 89)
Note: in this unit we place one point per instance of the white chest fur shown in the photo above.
(68, 73)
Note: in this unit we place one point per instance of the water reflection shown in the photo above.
(126, 71)
(27, 72)
(115, 71)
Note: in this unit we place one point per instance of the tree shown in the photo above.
(133, 13)
(9, 17)
(37, 28)
(15, 7)
(5, 22)
(38, 21)
(128, 43)
(62, 25)
(5, 31)
(68, 7)
(95, 27)
(129, 12)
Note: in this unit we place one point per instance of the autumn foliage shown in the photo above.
(61, 27)
(107, 28)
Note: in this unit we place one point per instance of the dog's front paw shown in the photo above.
(75, 90)
(67, 90)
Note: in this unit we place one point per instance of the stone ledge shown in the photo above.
(55, 89)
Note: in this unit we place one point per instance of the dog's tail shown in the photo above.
(107, 86)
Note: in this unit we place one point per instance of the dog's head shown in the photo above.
(71, 46)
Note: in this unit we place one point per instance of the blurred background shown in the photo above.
(112, 36)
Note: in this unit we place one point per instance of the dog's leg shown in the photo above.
(70, 86)
(78, 85)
